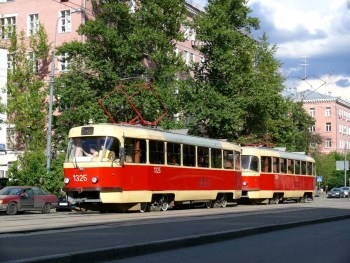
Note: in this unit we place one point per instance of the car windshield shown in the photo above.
(336, 190)
(10, 191)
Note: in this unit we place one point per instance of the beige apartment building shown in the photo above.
(332, 119)
(61, 19)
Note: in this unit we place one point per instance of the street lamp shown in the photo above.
(52, 81)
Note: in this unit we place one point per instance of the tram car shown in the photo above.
(273, 176)
(120, 167)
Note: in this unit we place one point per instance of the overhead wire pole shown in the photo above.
(52, 81)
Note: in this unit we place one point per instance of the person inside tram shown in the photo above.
(93, 152)
(174, 160)
(105, 153)
(78, 150)
(201, 162)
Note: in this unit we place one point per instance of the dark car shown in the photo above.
(18, 199)
(336, 193)
(64, 205)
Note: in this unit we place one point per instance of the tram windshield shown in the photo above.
(250, 163)
(86, 149)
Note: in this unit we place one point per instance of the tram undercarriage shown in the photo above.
(275, 198)
(90, 200)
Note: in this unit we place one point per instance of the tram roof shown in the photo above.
(138, 131)
(264, 151)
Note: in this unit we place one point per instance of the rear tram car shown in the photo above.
(119, 167)
(273, 176)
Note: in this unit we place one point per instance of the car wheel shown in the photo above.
(46, 209)
(12, 208)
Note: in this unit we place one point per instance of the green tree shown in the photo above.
(27, 107)
(121, 45)
(237, 87)
(326, 166)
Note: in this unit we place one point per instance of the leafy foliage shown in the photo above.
(326, 167)
(120, 45)
(237, 88)
(26, 110)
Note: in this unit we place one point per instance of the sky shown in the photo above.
(312, 39)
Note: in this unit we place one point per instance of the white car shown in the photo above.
(346, 190)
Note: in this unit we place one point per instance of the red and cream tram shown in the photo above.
(131, 167)
(272, 176)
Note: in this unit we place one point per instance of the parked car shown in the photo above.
(64, 205)
(336, 193)
(346, 190)
(18, 199)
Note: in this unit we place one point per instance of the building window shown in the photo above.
(185, 57)
(64, 62)
(192, 58)
(328, 112)
(132, 6)
(328, 143)
(328, 127)
(312, 112)
(65, 21)
(312, 128)
(33, 24)
(7, 26)
(33, 62)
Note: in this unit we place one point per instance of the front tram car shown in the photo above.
(272, 176)
(119, 167)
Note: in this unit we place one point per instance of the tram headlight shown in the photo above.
(245, 183)
(94, 180)
(66, 180)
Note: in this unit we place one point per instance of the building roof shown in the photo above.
(309, 96)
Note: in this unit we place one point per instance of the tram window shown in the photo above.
(173, 153)
(216, 159)
(266, 164)
(203, 156)
(290, 166)
(303, 168)
(156, 152)
(135, 150)
(228, 159)
(276, 165)
(297, 167)
(309, 168)
(237, 161)
(284, 165)
(189, 155)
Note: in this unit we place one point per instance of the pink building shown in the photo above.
(332, 119)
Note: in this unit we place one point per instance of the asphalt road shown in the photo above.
(93, 237)
(319, 243)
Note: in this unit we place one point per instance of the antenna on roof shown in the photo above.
(305, 64)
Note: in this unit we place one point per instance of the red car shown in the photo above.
(18, 199)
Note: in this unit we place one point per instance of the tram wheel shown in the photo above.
(144, 207)
(222, 201)
(209, 204)
(164, 206)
